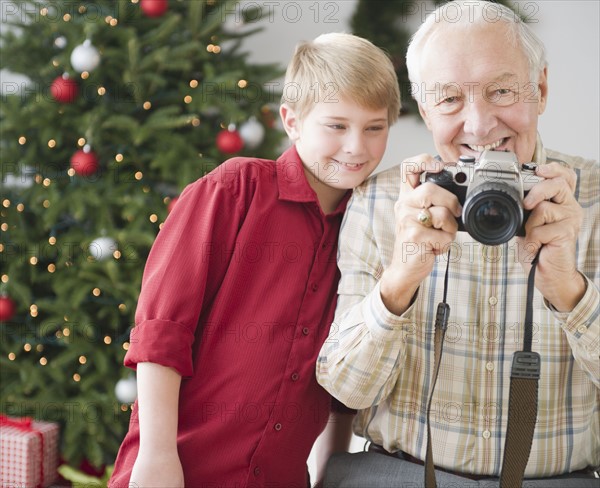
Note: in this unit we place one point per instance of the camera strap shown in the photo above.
(523, 396)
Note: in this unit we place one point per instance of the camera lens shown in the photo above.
(493, 214)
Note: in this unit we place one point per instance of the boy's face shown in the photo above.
(340, 143)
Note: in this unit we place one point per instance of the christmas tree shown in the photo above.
(127, 102)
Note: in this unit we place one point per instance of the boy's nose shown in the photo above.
(354, 143)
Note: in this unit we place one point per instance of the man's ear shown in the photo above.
(290, 122)
(424, 115)
(543, 88)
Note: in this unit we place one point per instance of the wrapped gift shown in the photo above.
(28, 452)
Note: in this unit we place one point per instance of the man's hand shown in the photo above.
(554, 222)
(416, 245)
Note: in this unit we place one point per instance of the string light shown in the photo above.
(187, 99)
(76, 378)
(43, 361)
(27, 347)
(22, 140)
(39, 347)
(46, 204)
(46, 182)
(193, 83)
(82, 360)
(81, 141)
(153, 218)
(4, 278)
(33, 261)
(119, 158)
(67, 17)
(52, 240)
(44, 12)
(51, 143)
(113, 22)
(33, 310)
(96, 292)
(20, 207)
(101, 91)
(138, 175)
(126, 346)
(107, 340)
(242, 83)
(6, 203)
(12, 356)
(51, 268)
(122, 307)
(147, 105)
(117, 254)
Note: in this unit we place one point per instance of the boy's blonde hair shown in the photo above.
(338, 65)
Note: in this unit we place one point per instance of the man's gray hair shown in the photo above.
(465, 13)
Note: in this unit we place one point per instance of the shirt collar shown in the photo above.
(539, 155)
(292, 182)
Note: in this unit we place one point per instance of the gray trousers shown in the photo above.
(374, 470)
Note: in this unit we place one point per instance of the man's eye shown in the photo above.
(449, 100)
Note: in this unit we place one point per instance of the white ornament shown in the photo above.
(60, 42)
(126, 390)
(233, 24)
(20, 181)
(102, 248)
(252, 133)
(85, 57)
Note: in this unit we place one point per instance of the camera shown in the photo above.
(491, 193)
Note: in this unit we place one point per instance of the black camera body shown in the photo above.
(491, 193)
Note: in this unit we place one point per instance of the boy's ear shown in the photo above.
(290, 122)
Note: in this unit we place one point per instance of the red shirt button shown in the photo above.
(277, 426)
(305, 331)
(295, 376)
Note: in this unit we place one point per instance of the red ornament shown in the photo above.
(154, 8)
(172, 204)
(229, 141)
(64, 90)
(84, 163)
(7, 308)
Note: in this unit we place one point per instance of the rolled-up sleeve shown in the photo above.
(184, 268)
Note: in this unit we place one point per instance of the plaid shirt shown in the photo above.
(381, 363)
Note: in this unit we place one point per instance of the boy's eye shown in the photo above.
(336, 126)
(376, 128)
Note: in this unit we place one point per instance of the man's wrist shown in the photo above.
(569, 295)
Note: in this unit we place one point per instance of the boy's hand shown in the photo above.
(416, 244)
(157, 469)
(554, 222)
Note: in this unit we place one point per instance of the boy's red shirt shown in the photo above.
(238, 295)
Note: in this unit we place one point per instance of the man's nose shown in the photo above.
(480, 118)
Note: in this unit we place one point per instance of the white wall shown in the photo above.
(569, 28)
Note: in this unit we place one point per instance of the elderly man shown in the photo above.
(480, 78)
